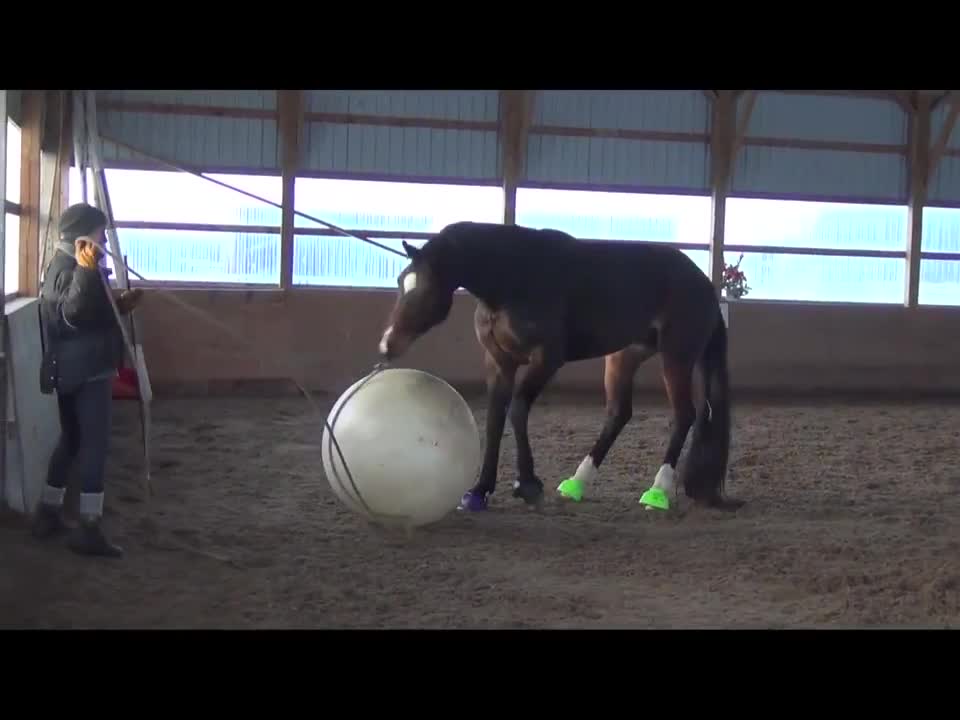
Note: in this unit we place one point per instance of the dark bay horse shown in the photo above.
(546, 299)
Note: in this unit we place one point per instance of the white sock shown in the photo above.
(53, 495)
(91, 504)
(665, 479)
(587, 472)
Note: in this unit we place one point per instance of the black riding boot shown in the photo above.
(88, 539)
(48, 521)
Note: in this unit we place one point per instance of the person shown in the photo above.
(82, 350)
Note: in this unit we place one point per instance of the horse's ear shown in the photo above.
(413, 252)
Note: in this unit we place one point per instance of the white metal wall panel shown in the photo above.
(637, 164)
(827, 117)
(256, 99)
(945, 185)
(475, 105)
(662, 110)
(937, 119)
(401, 153)
(839, 174)
(198, 141)
(822, 174)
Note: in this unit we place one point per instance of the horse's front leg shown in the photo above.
(500, 381)
(544, 364)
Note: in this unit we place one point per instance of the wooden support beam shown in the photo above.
(946, 95)
(943, 139)
(55, 156)
(290, 130)
(516, 117)
(721, 167)
(918, 170)
(30, 199)
(748, 100)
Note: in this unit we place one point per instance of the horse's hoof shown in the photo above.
(723, 504)
(474, 502)
(728, 504)
(530, 492)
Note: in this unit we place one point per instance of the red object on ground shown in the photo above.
(125, 385)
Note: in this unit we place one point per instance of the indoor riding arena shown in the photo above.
(266, 229)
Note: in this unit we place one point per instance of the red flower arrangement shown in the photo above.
(734, 282)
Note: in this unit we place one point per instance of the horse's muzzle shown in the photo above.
(393, 344)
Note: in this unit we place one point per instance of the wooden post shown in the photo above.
(30, 200)
(289, 128)
(516, 114)
(721, 144)
(918, 170)
(729, 127)
(55, 158)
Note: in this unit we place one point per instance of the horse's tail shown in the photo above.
(705, 471)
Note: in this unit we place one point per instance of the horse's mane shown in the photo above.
(514, 243)
(493, 260)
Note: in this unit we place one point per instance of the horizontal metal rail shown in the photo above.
(380, 234)
(826, 252)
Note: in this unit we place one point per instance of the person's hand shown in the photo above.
(129, 299)
(87, 253)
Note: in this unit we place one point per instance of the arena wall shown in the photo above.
(329, 338)
(32, 419)
(812, 145)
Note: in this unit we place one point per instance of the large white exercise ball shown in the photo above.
(411, 446)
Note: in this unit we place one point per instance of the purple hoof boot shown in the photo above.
(473, 502)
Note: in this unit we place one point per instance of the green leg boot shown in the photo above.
(658, 496)
(573, 487)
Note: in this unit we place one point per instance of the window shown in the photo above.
(11, 274)
(11, 239)
(220, 250)
(940, 278)
(14, 140)
(371, 209)
(621, 216)
(772, 224)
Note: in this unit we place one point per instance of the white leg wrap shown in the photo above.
(587, 472)
(665, 479)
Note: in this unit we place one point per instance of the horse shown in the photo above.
(545, 299)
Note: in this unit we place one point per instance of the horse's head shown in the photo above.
(426, 295)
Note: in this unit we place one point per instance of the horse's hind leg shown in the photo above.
(500, 380)
(619, 371)
(543, 365)
(678, 380)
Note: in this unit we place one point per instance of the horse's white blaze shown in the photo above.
(587, 472)
(385, 340)
(665, 479)
(409, 282)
